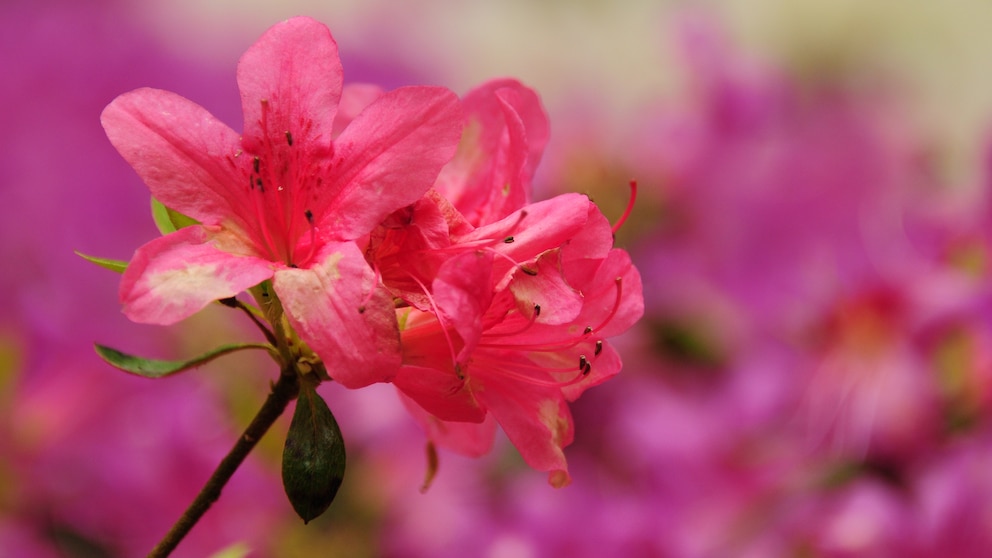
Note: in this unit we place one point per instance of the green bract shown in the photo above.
(168, 220)
(113, 265)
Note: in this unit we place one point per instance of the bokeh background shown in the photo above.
(813, 376)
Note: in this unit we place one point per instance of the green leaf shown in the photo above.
(150, 368)
(113, 265)
(313, 459)
(168, 220)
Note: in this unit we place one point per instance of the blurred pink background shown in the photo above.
(812, 376)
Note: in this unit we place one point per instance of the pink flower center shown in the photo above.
(282, 183)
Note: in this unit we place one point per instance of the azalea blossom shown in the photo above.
(516, 334)
(482, 353)
(285, 199)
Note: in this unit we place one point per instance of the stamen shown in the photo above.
(508, 240)
(599, 347)
(268, 243)
(583, 362)
(289, 138)
(630, 207)
(313, 245)
(256, 164)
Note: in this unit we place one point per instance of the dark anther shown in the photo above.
(537, 310)
(261, 187)
(508, 240)
(583, 362)
(599, 347)
(289, 138)
(294, 266)
(309, 215)
(528, 271)
(255, 164)
(587, 331)
(586, 369)
(361, 309)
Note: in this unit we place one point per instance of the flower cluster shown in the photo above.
(396, 231)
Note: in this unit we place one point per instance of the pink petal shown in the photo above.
(290, 80)
(559, 302)
(387, 158)
(340, 311)
(602, 303)
(536, 420)
(439, 393)
(471, 439)
(583, 254)
(181, 151)
(506, 130)
(542, 226)
(175, 276)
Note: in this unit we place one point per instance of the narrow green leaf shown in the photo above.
(313, 459)
(113, 265)
(150, 368)
(168, 220)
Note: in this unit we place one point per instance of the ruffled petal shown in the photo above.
(536, 420)
(290, 81)
(184, 154)
(340, 311)
(173, 277)
(387, 158)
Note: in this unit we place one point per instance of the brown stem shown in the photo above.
(283, 391)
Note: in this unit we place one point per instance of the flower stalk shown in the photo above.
(283, 391)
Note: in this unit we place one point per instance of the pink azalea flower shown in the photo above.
(484, 351)
(285, 199)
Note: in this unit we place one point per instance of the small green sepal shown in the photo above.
(150, 368)
(313, 459)
(113, 265)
